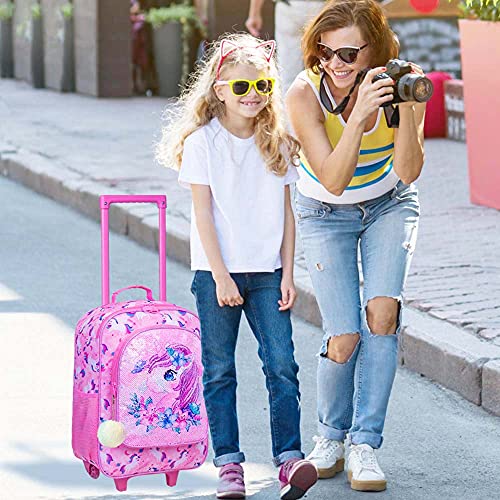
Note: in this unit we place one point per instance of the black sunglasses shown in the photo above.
(347, 55)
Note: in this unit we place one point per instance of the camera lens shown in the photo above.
(422, 90)
(415, 88)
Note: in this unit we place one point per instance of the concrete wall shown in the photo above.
(22, 40)
(53, 25)
(103, 57)
(432, 43)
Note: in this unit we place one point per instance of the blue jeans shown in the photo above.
(353, 396)
(273, 331)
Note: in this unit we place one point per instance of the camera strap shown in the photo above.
(391, 113)
(325, 98)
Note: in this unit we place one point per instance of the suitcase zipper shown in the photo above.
(151, 307)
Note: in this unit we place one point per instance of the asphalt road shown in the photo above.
(437, 446)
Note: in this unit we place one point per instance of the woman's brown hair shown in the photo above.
(367, 15)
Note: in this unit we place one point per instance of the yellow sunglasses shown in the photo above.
(240, 87)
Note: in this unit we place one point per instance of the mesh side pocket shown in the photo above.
(85, 422)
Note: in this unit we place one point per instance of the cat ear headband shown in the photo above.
(227, 47)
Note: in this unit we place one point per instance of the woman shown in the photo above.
(355, 188)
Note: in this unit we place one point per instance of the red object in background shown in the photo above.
(435, 117)
(424, 6)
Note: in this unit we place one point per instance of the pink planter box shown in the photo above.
(480, 48)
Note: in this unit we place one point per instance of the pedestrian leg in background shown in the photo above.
(289, 25)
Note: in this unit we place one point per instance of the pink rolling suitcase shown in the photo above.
(137, 397)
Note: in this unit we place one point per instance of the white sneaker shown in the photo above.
(327, 457)
(363, 470)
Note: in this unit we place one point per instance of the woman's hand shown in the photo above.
(409, 138)
(288, 293)
(415, 68)
(372, 95)
(227, 291)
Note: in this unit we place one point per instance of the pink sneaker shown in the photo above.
(296, 477)
(231, 482)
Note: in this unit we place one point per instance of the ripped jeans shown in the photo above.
(353, 396)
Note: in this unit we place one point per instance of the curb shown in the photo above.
(452, 357)
(436, 349)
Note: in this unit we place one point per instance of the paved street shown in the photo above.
(437, 446)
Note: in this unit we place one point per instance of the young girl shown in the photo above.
(231, 145)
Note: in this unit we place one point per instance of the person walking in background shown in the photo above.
(144, 76)
(355, 188)
(231, 145)
(290, 18)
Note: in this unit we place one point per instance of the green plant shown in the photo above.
(485, 10)
(36, 11)
(184, 14)
(67, 10)
(6, 11)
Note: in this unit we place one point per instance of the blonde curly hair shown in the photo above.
(199, 104)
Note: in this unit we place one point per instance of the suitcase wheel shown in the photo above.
(92, 470)
(121, 484)
(172, 478)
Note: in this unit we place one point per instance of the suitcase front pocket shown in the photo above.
(157, 388)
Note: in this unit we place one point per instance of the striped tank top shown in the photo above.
(374, 174)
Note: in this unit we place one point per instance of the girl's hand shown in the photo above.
(372, 95)
(288, 294)
(227, 292)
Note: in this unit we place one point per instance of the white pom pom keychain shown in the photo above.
(111, 433)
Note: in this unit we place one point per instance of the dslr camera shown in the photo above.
(408, 86)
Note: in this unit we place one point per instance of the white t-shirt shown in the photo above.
(248, 201)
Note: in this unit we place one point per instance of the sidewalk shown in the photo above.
(73, 148)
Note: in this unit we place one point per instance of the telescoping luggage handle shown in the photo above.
(106, 201)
